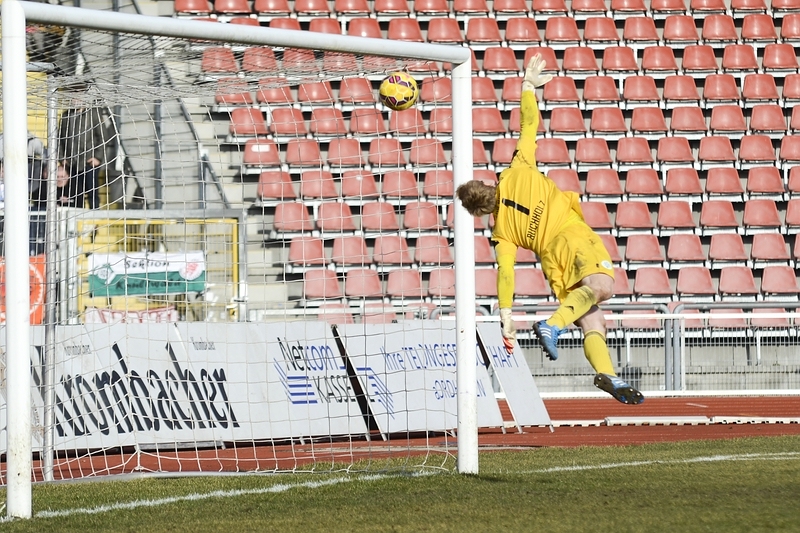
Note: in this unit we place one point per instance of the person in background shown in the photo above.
(531, 212)
(36, 157)
(81, 151)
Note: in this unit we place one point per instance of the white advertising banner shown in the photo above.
(515, 378)
(408, 373)
(144, 384)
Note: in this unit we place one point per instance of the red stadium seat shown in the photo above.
(768, 119)
(399, 186)
(218, 60)
(769, 249)
(610, 244)
(317, 184)
(680, 31)
(580, 62)
(640, 31)
(321, 284)
(433, 250)
(362, 283)
(633, 152)
(272, 95)
(259, 59)
(756, 150)
(765, 182)
(652, 284)
(391, 8)
(470, 8)
(699, 59)
(350, 251)
(271, 8)
(306, 252)
(548, 8)
(672, 151)
(261, 153)
(602, 184)
(661, 9)
(685, 249)
(727, 249)
(596, 216)
(427, 153)
(483, 91)
(407, 122)
(327, 122)
(780, 57)
(688, 122)
(391, 250)
(247, 122)
(421, 216)
(584, 9)
(592, 152)
(716, 216)
(793, 215)
(192, 7)
(659, 61)
(640, 90)
(442, 284)
(648, 122)
(364, 27)
(644, 184)
(386, 153)
(567, 122)
(739, 58)
(675, 216)
(720, 88)
(504, 9)
(355, 91)
(435, 90)
(358, 185)
(351, 8)
(440, 121)
(561, 32)
(643, 250)
(275, 185)
(405, 284)
(728, 120)
(503, 151)
(427, 9)
(628, 8)
(619, 60)
(484, 253)
(683, 182)
(232, 92)
(292, 217)
(521, 32)
(482, 32)
(566, 179)
(314, 93)
(335, 218)
(404, 29)
(287, 122)
(608, 121)
(379, 217)
(285, 23)
(560, 91)
(444, 31)
(600, 90)
(549, 151)
(695, 283)
(344, 152)
(724, 183)
(438, 184)
(499, 62)
(715, 151)
(548, 55)
(600, 32)
(790, 28)
(303, 153)
(311, 8)
(633, 217)
(760, 214)
(680, 90)
(367, 122)
(719, 28)
(759, 28)
(779, 282)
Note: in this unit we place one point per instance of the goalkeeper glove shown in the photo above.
(508, 329)
(533, 74)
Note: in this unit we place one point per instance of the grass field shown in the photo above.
(740, 485)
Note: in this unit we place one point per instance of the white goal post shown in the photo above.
(15, 15)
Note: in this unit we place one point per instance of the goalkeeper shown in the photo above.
(531, 212)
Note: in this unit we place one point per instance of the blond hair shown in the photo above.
(477, 197)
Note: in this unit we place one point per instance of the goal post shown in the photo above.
(16, 15)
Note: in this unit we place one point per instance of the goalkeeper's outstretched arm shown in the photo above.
(529, 112)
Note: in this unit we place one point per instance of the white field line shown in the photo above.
(284, 487)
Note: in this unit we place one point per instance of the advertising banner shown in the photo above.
(127, 274)
(408, 373)
(38, 284)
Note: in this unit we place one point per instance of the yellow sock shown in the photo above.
(596, 351)
(574, 306)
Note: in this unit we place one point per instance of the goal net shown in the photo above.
(238, 258)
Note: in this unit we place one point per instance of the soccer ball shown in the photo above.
(399, 91)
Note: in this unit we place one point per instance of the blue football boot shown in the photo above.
(618, 388)
(548, 338)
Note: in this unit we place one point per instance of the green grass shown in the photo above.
(746, 485)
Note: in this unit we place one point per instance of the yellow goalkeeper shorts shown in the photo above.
(576, 252)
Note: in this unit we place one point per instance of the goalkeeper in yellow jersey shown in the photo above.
(531, 212)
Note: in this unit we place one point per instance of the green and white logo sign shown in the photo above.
(146, 273)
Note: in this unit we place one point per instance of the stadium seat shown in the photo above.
(291, 218)
(739, 59)
(619, 60)
(793, 182)
(285, 23)
(674, 151)
(327, 123)
(405, 284)
(695, 284)
(321, 284)
(560, 91)
(483, 91)
(761, 214)
(432, 250)
(793, 215)
(715, 151)
(794, 120)
(789, 151)
(742, 8)
(640, 32)
(633, 152)
(610, 244)
(435, 91)
(379, 313)
(358, 186)
(622, 286)
(232, 92)
(652, 284)
(219, 60)
(426, 153)
(530, 286)
(503, 150)
(247, 122)
(312, 95)
(192, 7)
(661, 9)
(438, 185)
(567, 122)
(407, 122)
(275, 186)
(600, 32)
(719, 29)
(585, 9)
(643, 250)
(699, 59)
(727, 120)
(260, 59)
(550, 152)
(335, 218)
(759, 28)
(444, 31)
(769, 249)
(480, 159)
(561, 32)
(675, 216)
(779, 282)
(442, 284)
(267, 9)
(367, 122)
(680, 90)
(633, 217)
(779, 58)
(603, 185)
(548, 55)
(592, 153)
(608, 122)
(521, 32)
(386, 154)
(596, 216)
(303, 153)
(470, 8)
(790, 28)
(543, 9)
(765, 182)
(756, 150)
(440, 121)
(643, 184)
(689, 122)
(640, 90)
(703, 8)
(344, 153)
(684, 183)
(364, 27)
(566, 179)
(720, 89)
(482, 32)
(420, 217)
(685, 249)
(273, 95)
(386, 9)
(579, 62)
(305, 9)
(506, 9)
(404, 29)
(500, 63)
(287, 123)
(600, 90)
(486, 285)
(648, 122)
(260, 153)
(399, 187)
(484, 252)
(356, 91)
(659, 61)
(718, 216)
(727, 249)
(724, 184)
(680, 31)
(305, 252)
(317, 184)
(391, 251)
(768, 119)
(350, 251)
(362, 283)
(350, 8)
(378, 217)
